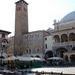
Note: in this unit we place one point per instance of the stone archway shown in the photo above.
(60, 51)
(72, 58)
(49, 54)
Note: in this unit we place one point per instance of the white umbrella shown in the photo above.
(28, 58)
(21, 58)
(55, 58)
(39, 59)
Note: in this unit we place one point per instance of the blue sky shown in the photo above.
(41, 13)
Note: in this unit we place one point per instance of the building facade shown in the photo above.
(4, 43)
(48, 43)
(64, 36)
(33, 43)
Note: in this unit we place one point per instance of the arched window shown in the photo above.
(72, 37)
(56, 38)
(3, 35)
(64, 38)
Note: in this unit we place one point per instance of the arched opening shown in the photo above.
(72, 37)
(48, 54)
(64, 38)
(5, 40)
(73, 48)
(66, 58)
(56, 38)
(72, 58)
(60, 51)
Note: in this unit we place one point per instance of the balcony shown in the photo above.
(64, 44)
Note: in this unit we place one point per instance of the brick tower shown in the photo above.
(21, 25)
